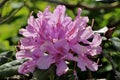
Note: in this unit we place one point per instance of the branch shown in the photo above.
(71, 6)
(3, 2)
(117, 77)
(10, 16)
(111, 6)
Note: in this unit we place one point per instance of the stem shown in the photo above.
(109, 58)
(74, 71)
(90, 75)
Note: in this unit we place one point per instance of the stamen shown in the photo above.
(100, 65)
(75, 74)
(31, 13)
(92, 22)
(98, 60)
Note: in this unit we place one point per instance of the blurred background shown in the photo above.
(14, 15)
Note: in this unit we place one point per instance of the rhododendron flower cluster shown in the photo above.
(53, 38)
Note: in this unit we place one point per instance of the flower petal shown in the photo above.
(90, 64)
(48, 46)
(96, 40)
(87, 33)
(79, 12)
(61, 68)
(70, 57)
(81, 63)
(45, 62)
(62, 45)
(59, 13)
(27, 67)
(95, 51)
(23, 54)
(79, 49)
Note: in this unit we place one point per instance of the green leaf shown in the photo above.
(6, 54)
(5, 57)
(7, 72)
(11, 64)
(116, 43)
(43, 74)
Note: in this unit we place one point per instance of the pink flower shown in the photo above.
(28, 66)
(54, 38)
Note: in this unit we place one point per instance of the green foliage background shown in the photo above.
(14, 15)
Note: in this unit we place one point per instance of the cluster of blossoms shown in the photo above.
(54, 38)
